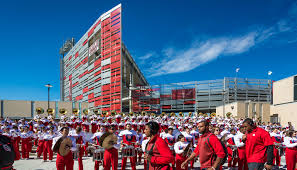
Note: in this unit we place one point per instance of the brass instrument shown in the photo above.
(163, 114)
(153, 114)
(62, 111)
(213, 114)
(113, 113)
(75, 111)
(96, 111)
(143, 113)
(104, 113)
(172, 114)
(131, 114)
(200, 114)
(86, 111)
(181, 114)
(190, 114)
(39, 110)
(50, 111)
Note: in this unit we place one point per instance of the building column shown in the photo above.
(32, 108)
(2, 113)
(56, 110)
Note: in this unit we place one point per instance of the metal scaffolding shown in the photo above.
(199, 96)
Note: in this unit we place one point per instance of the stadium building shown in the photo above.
(98, 69)
(200, 96)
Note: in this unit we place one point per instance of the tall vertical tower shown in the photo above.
(95, 69)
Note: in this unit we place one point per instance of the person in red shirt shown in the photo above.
(258, 145)
(209, 149)
(157, 153)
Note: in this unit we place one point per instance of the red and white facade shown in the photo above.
(93, 68)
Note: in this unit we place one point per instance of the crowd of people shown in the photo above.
(158, 141)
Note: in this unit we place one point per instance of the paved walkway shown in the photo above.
(37, 164)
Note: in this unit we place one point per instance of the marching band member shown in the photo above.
(94, 124)
(79, 143)
(129, 137)
(188, 139)
(157, 153)
(48, 141)
(242, 162)
(111, 155)
(96, 138)
(291, 150)
(15, 137)
(179, 148)
(40, 147)
(67, 160)
(232, 150)
(277, 139)
(25, 138)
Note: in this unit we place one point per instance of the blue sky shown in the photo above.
(172, 41)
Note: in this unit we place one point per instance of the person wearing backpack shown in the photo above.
(157, 153)
(210, 150)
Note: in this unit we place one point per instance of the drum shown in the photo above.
(98, 154)
(138, 150)
(75, 154)
(128, 151)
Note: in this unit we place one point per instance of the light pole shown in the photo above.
(48, 94)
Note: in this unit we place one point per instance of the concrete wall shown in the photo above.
(16, 108)
(286, 112)
(239, 110)
(21, 108)
(283, 91)
(43, 104)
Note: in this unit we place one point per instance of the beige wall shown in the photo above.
(67, 106)
(239, 110)
(16, 108)
(283, 90)
(286, 112)
(21, 108)
(43, 104)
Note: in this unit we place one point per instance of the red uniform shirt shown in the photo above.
(161, 153)
(207, 152)
(256, 143)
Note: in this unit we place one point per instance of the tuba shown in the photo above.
(181, 114)
(163, 114)
(190, 114)
(104, 113)
(131, 114)
(75, 111)
(39, 110)
(113, 113)
(143, 113)
(213, 114)
(96, 111)
(50, 111)
(172, 114)
(86, 111)
(62, 111)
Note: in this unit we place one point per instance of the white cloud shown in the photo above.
(147, 56)
(183, 60)
(198, 54)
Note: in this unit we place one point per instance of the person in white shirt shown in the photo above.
(25, 138)
(242, 161)
(179, 148)
(291, 150)
(48, 141)
(67, 160)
